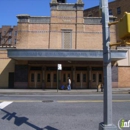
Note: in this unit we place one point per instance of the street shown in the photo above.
(59, 112)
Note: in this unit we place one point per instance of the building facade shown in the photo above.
(116, 8)
(67, 38)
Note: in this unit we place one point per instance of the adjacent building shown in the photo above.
(66, 37)
(116, 8)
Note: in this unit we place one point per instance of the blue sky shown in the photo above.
(10, 8)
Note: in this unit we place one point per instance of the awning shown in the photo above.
(74, 55)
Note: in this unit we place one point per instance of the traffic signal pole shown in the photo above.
(107, 124)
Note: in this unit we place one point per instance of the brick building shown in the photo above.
(67, 38)
(8, 36)
(116, 8)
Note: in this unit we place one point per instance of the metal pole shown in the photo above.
(107, 124)
(57, 79)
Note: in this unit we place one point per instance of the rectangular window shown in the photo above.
(9, 41)
(54, 78)
(118, 10)
(78, 77)
(32, 77)
(64, 78)
(100, 78)
(14, 41)
(10, 33)
(48, 78)
(94, 77)
(15, 33)
(38, 77)
(110, 12)
(84, 77)
(66, 39)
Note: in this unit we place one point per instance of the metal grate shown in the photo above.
(67, 39)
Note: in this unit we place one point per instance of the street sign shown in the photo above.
(59, 67)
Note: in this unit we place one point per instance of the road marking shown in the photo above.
(5, 104)
(23, 101)
(83, 101)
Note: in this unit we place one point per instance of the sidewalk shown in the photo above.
(60, 92)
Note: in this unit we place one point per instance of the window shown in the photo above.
(9, 41)
(54, 78)
(10, 33)
(78, 77)
(84, 77)
(118, 10)
(48, 78)
(15, 33)
(66, 39)
(94, 77)
(14, 41)
(100, 78)
(32, 77)
(38, 77)
(90, 15)
(110, 12)
(64, 78)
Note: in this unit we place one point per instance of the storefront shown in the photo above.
(38, 68)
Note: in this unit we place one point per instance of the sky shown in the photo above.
(9, 9)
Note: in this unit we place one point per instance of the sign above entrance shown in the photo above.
(59, 67)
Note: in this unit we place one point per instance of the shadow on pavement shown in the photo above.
(23, 120)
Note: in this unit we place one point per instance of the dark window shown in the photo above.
(78, 77)
(118, 10)
(84, 77)
(35, 68)
(69, 75)
(10, 33)
(64, 78)
(97, 68)
(38, 77)
(14, 41)
(110, 12)
(81, 68)
(90, 15)
(54, 78)
(32, 77)
(94, 77)
(51, 68)
(48, 78)
(15, 33)
(100, 78)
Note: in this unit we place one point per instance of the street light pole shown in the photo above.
(107, 124)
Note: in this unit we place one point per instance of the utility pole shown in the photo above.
(107, 124)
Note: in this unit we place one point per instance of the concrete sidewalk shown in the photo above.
(60, 92)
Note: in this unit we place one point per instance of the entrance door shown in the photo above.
(81, 79)
(51, 80)
(97, 78)
(64, 78)
(35, 79)
(11, 80)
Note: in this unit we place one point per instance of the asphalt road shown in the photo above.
(59, 112)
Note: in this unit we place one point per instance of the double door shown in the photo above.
(97, 78)
(64, 78)
(81, 80)
(35, 79)
(51, 79)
